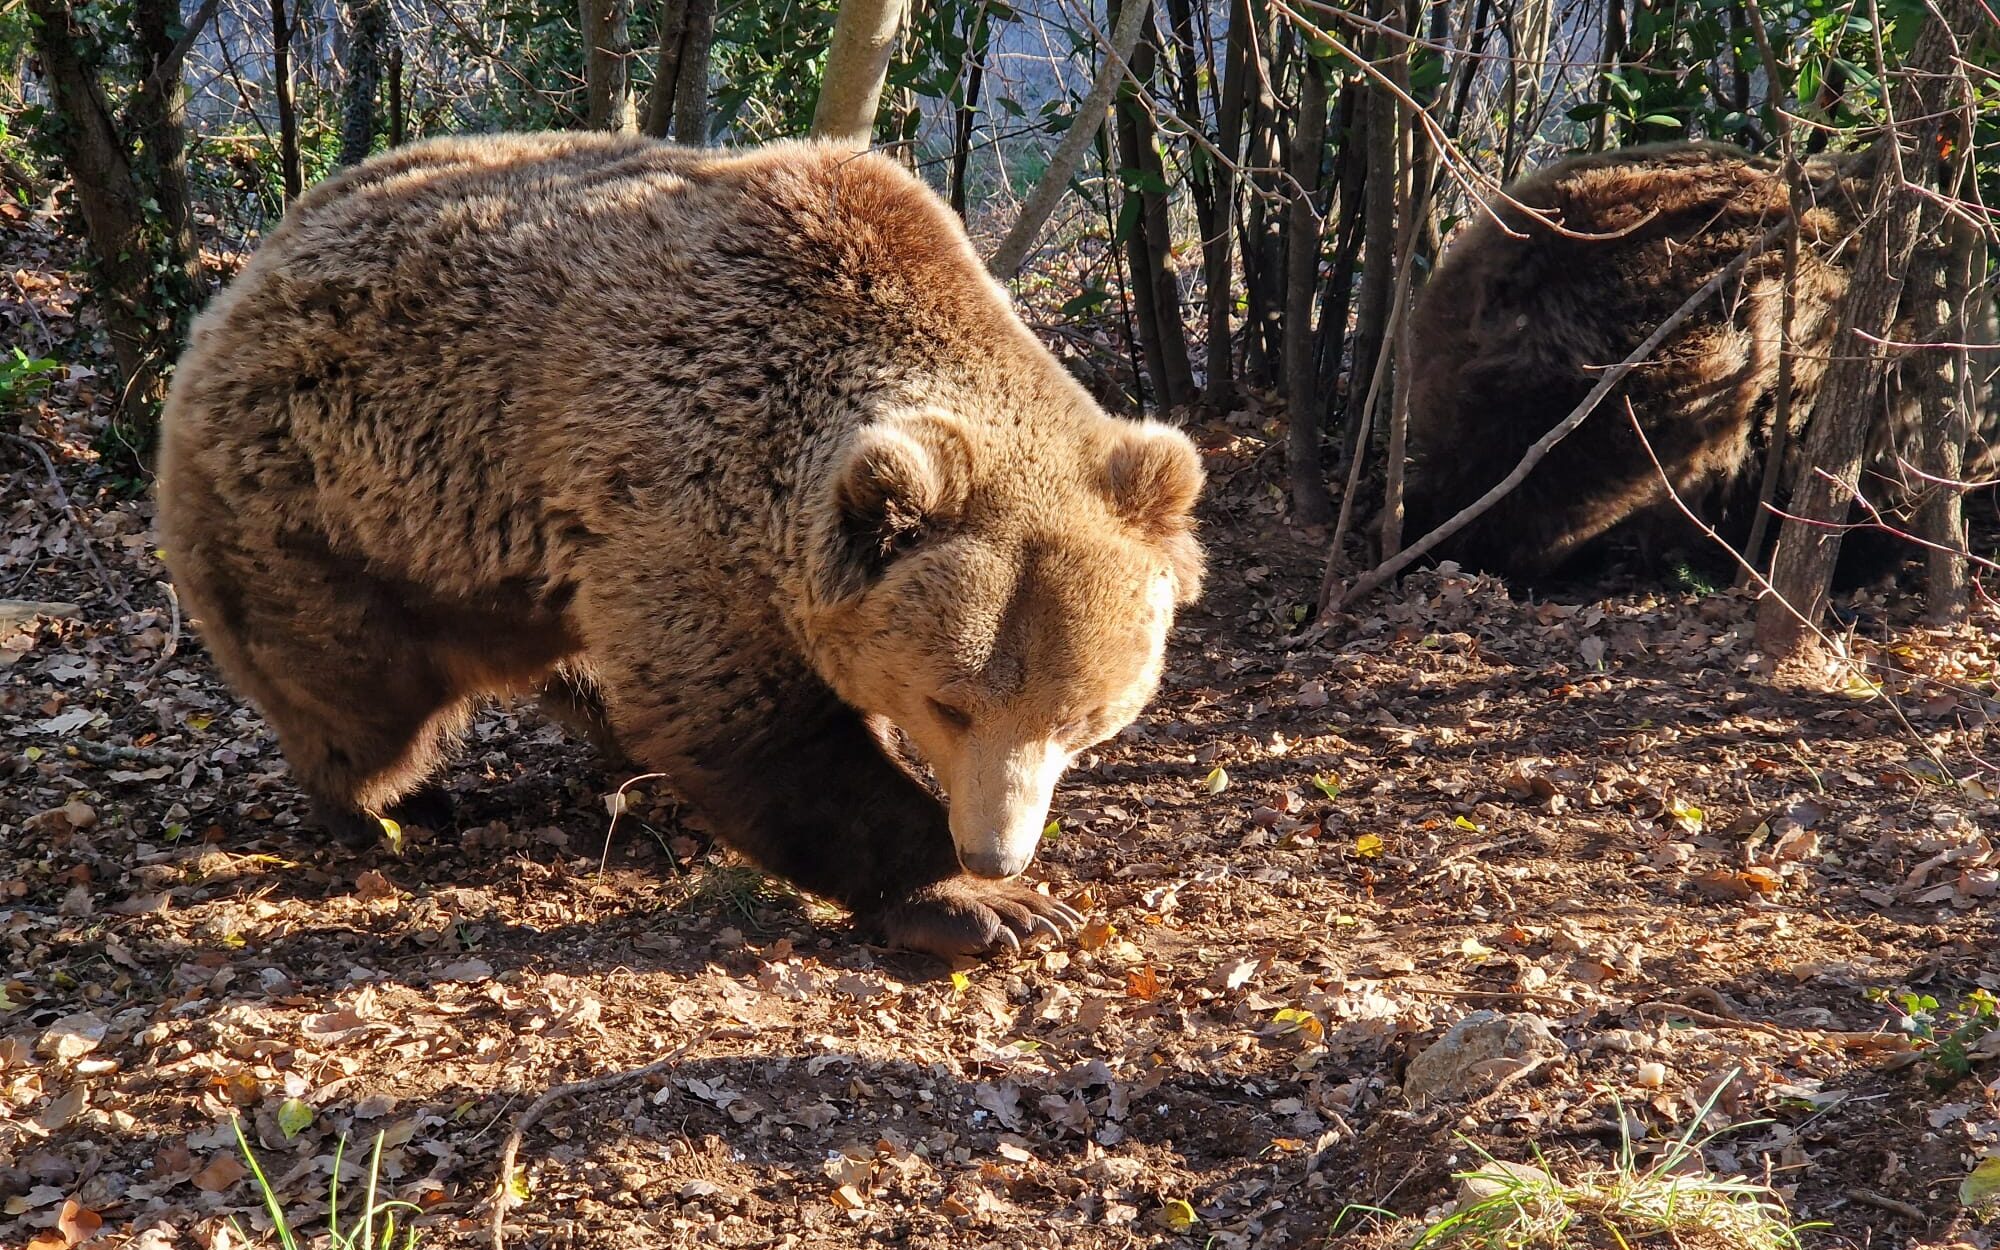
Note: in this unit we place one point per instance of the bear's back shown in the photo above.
(454, 350)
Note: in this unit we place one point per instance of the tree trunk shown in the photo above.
(1350, 189)
(685, 27)
(968, 112)
(139, 275)
(1943, 313)
(607, 57)
(1156, 287)
(1218, 244)
(691, 82)
(288, 112)
(857, 64)
(1378, 245)
(1262, 243)
(157, 128)
(364, 78)
(657, 119)
(398, 123)
(1311, 504)
(1005, 262)
(1203, 177)
(1802, 569)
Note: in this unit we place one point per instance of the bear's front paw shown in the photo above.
(970, 916)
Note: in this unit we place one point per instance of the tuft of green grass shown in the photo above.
(374, 1230)
(1673, 1198)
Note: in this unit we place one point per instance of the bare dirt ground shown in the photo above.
(1305, 864)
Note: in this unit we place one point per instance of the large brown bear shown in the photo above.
(1519, 324)
(743, 456)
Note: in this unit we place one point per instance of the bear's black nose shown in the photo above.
(991, 863)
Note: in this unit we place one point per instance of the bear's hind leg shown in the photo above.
(369, 754)
(364, 701)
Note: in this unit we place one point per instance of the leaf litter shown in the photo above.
(1303, 868)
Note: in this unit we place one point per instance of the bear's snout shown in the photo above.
(995, 863)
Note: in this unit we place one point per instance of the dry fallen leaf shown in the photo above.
(1095, 933)
(78, 1223)
(222, 1172)
(1142, 982)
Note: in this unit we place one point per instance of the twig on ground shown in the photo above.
(1869, 1197)
(503, 1195)
(617, 810)
(1850, 1039)
(73, 518)
(1497, 996)
(173, 634)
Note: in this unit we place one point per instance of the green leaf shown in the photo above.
(1981, 1187)
(1327, 784)
(1662, 119)
(1052, 831)
(295, 1116)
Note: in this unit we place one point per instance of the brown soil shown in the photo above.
(1315, 854)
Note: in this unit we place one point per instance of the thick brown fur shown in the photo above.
(1515, 329)
(741, 456)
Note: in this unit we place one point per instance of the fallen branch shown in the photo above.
(1376, 577)
(503, 1196)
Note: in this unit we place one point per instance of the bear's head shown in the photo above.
(1002, 594)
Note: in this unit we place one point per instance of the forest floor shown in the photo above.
(1692, 902)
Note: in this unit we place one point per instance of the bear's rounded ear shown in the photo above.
(897, 483)
(1153, 475)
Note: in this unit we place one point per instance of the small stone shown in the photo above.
(1494, 1177)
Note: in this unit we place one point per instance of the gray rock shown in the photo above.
(1476, 1053)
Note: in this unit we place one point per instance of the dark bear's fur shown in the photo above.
(1513, 332)
(740, 459)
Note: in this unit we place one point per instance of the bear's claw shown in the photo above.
(971, 916)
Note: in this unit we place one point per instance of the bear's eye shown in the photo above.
(955, 717)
